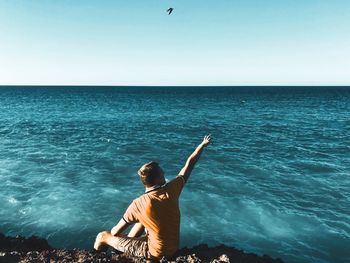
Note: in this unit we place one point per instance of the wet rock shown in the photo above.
(19, 243)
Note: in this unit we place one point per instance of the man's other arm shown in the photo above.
(192, 160)
(119, 228)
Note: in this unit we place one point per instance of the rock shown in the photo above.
(224, 258)
(19, 243)
(37, 250)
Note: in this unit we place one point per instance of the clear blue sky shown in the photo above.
(208, 42)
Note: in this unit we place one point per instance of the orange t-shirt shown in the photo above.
(158, 211)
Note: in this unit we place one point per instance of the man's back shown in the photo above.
(158, 211)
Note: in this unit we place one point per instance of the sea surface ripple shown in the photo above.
(276, 179)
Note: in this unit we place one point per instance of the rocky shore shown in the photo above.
(34, 249)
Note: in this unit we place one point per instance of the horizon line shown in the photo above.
(234, 85)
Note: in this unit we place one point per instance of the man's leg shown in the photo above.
(130, 245)
(106, 238)
(135, 231)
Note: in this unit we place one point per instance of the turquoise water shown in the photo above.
(276, 179)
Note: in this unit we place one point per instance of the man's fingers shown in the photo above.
(207, 137)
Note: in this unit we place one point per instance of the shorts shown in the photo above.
(132, 246)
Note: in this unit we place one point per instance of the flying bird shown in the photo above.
(170, 10)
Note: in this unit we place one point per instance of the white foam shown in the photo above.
(12, 200)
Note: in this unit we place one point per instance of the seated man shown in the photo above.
(156, 211)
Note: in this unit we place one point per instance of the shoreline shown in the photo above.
(35, 249)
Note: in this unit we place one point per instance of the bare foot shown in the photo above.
(100, 241)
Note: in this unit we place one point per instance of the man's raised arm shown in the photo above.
(192, 160)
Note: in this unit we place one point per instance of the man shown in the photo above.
(156, 211)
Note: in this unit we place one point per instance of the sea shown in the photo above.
(275, 180)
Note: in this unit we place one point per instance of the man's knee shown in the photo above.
(105, 235)
(101, 240)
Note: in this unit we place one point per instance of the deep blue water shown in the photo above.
(275, 180)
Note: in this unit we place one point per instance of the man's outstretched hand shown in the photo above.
(206, 140)
(191, 161)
